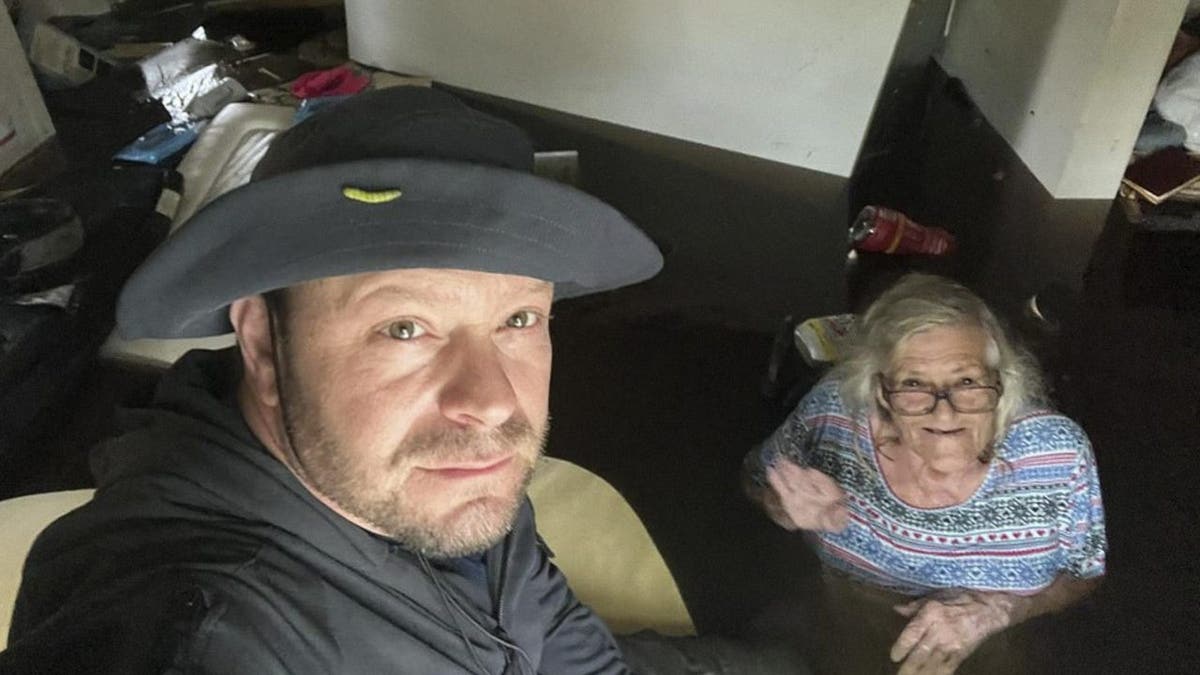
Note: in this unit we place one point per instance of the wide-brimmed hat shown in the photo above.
(407, 177)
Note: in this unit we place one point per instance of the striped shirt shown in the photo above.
(1038, 512)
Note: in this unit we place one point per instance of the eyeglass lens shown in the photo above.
(962, 399)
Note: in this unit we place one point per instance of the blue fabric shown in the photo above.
(473, 567)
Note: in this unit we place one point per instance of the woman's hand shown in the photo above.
(804, 499)
(945, 630)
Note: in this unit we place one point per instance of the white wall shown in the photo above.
(789, 80)
(1066, 82)
(21, 106)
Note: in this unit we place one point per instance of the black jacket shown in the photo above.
(203, 554)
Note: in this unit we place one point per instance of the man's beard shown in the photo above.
(484, 510)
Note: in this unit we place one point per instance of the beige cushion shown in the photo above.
(598, 541)
(21, 520)
(605, 552)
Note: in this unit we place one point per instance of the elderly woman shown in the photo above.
(936, 481)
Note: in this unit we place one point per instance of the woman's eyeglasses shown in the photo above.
(967, 398)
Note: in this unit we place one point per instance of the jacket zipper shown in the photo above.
(497, 602)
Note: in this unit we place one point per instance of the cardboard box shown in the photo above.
(24, 123)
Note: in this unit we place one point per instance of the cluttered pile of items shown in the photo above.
(1165, 165)
(158, 106)
(1160, 192)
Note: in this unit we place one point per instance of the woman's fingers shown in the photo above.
(922, 660)
(837, 517)
(784, 483)
(777, 481)
(824, 485)
(812, 500)
(909, 638)
(792, 473)
(942, 633)
(929, 659)
(809, 481)
(953, 661)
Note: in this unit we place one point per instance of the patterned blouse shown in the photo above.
(1037, 513)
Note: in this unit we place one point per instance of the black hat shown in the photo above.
(405, 177)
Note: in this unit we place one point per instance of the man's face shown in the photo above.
(416, 400)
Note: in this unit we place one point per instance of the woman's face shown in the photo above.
(939, 358)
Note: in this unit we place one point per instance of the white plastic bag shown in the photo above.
(1178, 99)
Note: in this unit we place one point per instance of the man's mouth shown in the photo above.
(469, 469)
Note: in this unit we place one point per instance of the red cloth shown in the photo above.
(338, 81)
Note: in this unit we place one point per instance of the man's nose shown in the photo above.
(477, 391)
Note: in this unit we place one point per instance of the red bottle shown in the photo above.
(881, 230)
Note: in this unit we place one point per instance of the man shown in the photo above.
(344, 491)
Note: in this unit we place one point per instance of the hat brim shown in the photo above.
(302, 226)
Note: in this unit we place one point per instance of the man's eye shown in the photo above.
(912, 384)
(404, 330)
(967, 382)
(523, 319)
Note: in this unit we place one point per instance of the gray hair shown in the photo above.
(918, 302)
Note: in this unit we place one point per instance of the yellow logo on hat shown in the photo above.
(370, 196)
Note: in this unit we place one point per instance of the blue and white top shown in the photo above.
(1038, 512)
